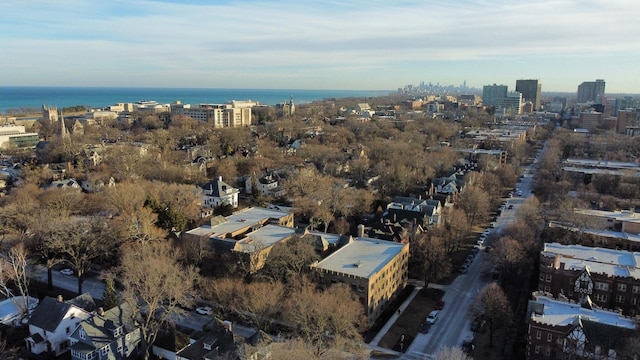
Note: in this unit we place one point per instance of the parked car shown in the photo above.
(467, 346)
(432, 317)
(424, 327)
(463, 269)
(440, 305)
(66, 271)
(510, 206)
(204, 310)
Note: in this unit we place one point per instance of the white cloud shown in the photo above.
(268, 40)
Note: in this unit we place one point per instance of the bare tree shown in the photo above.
(156, 285)
(14, 273)
(289, 258)
(494, 308)
(452, 353)
(475, 202)
(82, 243)
(325, 318)
(430, 255)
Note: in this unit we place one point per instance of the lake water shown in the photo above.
(12, 97)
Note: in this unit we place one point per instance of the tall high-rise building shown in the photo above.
(492, 95)
(531, 90)
(591, 91)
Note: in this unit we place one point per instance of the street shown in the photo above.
(452, 327)
(91, 284)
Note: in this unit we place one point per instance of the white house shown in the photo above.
(218, 192)
(51, 326)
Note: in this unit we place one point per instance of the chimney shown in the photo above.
(228, 325)
(101, 311)
(219, 178)
(361, 230)
(60, 298)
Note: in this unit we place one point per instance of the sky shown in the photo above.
(301, 44)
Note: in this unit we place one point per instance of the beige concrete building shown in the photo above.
(220, 115)
(376, 270)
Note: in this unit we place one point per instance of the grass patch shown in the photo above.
(409, 322)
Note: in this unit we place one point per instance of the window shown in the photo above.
(547, 289)
(83, 335)
(548, 278)
(549, 337)
(622, 287)
(634, 301)
(619, 298)
(68, 329)
(538, 334)
(602, 286)
(537, 349)
(600, 297)
(547, 351)
(541, 277)
(104, 350)
(635, 289)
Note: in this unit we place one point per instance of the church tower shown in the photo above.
(50, 114)
(63, 132)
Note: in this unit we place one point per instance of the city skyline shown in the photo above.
(321, 45)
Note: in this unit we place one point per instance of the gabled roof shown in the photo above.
(99, 327)
(49, 314)
(219, 188)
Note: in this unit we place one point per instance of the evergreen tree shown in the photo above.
(110, 296)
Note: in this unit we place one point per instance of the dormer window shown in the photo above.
(83, 334)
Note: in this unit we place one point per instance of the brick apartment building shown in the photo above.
(611, 278)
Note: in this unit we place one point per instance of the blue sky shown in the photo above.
(299, 44)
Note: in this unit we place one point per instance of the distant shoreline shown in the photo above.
(24, 97)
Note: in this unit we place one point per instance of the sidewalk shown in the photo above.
(394, 317)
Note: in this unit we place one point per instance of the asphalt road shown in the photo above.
(452, 327)
(91, 284)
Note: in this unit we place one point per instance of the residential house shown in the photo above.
(218, 192)
(425, 212)
(376, 270)
(112, 334)
(269, 185)
(611, 278)
(448, 185)
(224, 341)
(70, 183)
(51, 325)
(560, 329)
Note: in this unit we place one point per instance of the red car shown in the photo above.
(440, 305)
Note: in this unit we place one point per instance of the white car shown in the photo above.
(433, 316)
(67, 272)
(204, 310)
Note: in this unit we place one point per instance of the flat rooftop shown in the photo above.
(239, 220)
(361, 258)
(556, 312)
(604, 164)
(603, 233)
(619, 215)
(599, 260)
(264, 237)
